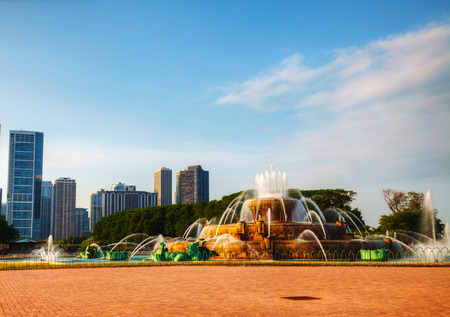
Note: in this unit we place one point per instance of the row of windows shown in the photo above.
(25, 156)
(21, 223)
(23, 137)
(28, 147)
(23, 181)
(22, 215)
(23, 197)
(23, 173)
(22, 206)
(24, 164)
(24, 232)
(23, 189)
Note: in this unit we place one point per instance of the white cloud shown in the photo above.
(381, 69)
(374, 115)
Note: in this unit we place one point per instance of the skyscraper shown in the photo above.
(46, 210)
(192, 185)
(122, 197)
(163, 185)
(25, 182)
(117, 200)
(96, 208)
(81, 222)
(64, 208)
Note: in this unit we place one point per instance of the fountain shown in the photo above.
(273, 225)
(49, 253)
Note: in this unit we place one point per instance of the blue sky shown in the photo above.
(350, 94)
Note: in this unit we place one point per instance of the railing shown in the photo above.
(418, 256)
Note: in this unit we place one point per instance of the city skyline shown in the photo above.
(337, 95)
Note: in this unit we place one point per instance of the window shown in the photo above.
(22, 206)
(21, 223)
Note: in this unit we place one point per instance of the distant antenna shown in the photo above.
(271, 168)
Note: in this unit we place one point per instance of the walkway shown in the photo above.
(226, 291)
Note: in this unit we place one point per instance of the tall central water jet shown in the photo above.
(269, 224)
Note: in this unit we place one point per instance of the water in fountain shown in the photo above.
(428, 220)
(153, 240)
(99, 249)
(226, 240)
(359, 220)
(446, 236)
(49, 253)
(127, 237)
(198, 224)
(350, 218)
(308, 233)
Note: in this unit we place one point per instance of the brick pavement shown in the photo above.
(226, 291)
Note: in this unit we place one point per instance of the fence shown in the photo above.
(419, 256)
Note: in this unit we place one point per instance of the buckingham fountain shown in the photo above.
(264, 223)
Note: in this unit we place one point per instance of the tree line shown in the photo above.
(173, 220)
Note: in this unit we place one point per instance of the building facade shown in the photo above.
(96, 208)
(163, 185)
(25, 182)
(82, 222)
(46, 210)
(114, 201)
(121, 197)
(192, 185)
(64, 208)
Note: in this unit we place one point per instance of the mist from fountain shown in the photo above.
(227, 239)
(49, 253)
(446, 236)
(429, 216)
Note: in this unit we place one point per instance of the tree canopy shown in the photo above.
(170, 220)
(7, 232)
(407, 213)
(173, 220)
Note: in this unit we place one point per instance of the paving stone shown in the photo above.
(226, 291)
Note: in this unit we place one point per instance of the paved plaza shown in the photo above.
(226, 291)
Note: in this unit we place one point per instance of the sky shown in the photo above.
(352, 94)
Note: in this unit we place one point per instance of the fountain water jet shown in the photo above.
(269, 223)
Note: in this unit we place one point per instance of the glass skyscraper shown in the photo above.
(25, 182)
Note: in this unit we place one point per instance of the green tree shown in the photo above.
(7, 232)
(407, 213)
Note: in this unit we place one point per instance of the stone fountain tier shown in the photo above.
(246, 240)
(282, 209)
(278, 231)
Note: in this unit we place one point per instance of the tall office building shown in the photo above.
(25, 182)
(122, 197)
(96, 208)
(64, 208)
(46, 210)
(163, 185)
(117, 200)
(81, 222)
(192, 185)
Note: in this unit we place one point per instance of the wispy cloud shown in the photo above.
(371, 115)
(355, 76)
